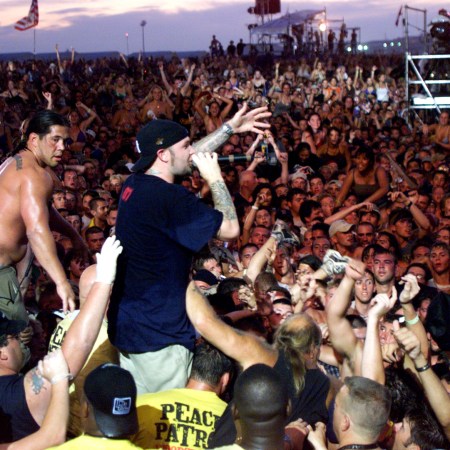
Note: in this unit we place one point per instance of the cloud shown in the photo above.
(177, 25)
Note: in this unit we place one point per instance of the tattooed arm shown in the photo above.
(210, 171)
(241, 122)
(54, 425)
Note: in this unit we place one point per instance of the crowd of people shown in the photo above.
(233, 251)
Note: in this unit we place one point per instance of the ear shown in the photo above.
(288, 408)
(234, 412)
(32, 139)
(3, 355)
(84, 408)
(163, 155)
(345, 423)
(223, 383)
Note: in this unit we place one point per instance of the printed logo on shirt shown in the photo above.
(126, 194)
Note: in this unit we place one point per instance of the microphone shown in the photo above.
(234, 158)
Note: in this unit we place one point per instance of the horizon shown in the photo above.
(103, 25)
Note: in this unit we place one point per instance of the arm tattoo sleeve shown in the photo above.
(222, 200)
(211, 142)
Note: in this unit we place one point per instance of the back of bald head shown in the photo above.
(260, 395)
(87, 280)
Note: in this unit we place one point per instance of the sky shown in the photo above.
(180, 25)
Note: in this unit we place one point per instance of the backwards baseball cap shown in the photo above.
(154, 136)
(340, 226)
(9, 327)
(111, 391)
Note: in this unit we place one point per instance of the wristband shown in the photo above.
(412, 321)
(60, 377)
(255, 207)
(227, 129)
(423, 368)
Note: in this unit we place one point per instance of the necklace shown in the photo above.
(359, 446)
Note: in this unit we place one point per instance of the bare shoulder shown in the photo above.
(30, 172)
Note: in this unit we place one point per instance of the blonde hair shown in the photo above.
(297, 337)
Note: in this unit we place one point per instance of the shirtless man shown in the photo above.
(26, 189)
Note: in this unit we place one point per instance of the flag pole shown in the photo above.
(34, 42)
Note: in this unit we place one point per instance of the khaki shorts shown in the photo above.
(11, 303)
(168, 368)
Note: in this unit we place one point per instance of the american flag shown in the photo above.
(31, 20)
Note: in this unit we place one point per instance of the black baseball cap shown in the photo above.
(206, 276)
(9, 327)
(156, 135)
(111, 391)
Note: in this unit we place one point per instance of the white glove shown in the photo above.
(106, 260)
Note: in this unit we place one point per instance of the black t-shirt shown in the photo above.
(160, 226)
(16, 421)
(309, 404)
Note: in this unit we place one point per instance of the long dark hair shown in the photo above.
(40, 124)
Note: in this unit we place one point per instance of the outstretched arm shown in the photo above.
(341, 333)
(419, 217)
(410, 290)
(186, 86)
(244, 348)
(92, 116)
(342, 213)
(167, 86)
(241, 122)
(85, 328)
(58, 58)
(372, 360)
(260, 259)
(434, 390)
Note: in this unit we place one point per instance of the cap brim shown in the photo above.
(117, 426)
(12, 327)
(345, 228)
(142, 164)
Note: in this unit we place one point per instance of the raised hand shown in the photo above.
(407, 340)
(107, 259)
(411, 288)
(245, 120)
(208, 166)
